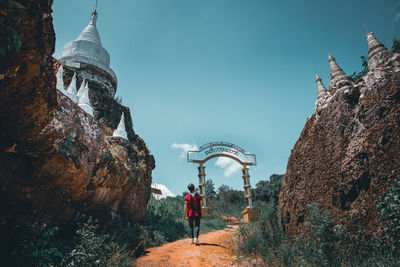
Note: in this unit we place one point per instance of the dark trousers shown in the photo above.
(196, 221)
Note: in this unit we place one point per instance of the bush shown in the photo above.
(326, 243)
(43, 250)
(166, 220)
(92, 247)
(389, 209)
(262, 238)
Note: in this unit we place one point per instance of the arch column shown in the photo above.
(202, 188)
(250, 214)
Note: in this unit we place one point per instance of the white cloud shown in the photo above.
(229, 165)
(185, 148)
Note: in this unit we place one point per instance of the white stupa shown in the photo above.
(321, 92)
(60, 80)
(84, 102)
(88, 54)
(71, 91)
(338, 77)
(375, 48)
(81, 88)
(120, 131)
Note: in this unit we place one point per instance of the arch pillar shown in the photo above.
(250, 214)
(202, 188)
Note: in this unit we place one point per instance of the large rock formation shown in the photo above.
(58, 162)
(349, 150)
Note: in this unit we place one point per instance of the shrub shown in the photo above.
(92, 247)
(321, 243)
(326, 243)
(389, 209)
(166, 220)
(43, 250)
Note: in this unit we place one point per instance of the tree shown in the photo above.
(210, 189)
(223, 188)
(269, 190)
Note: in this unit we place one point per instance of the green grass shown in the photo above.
(209, 224)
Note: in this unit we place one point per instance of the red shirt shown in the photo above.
(195, 210)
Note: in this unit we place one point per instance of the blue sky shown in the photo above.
(241, 71)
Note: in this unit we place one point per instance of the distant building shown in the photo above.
(156, 193)
(165, 192)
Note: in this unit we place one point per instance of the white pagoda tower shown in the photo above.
(121, 131)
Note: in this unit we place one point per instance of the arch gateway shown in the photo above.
(228, 150)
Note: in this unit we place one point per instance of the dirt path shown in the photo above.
(214, 250)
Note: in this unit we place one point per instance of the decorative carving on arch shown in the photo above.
(221, 149)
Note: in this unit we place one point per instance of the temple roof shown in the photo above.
(87, 48)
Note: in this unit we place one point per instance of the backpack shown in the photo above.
(198, 206)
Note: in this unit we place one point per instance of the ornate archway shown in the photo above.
(228, 150)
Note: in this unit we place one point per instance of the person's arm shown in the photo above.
(186, 212)
(201, 206)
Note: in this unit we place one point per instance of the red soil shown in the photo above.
(215, 249)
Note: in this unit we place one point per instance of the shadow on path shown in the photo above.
(210, 244)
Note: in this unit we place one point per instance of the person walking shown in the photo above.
(193, 213)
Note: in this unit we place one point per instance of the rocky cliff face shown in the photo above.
(57, 162)
(349, 151)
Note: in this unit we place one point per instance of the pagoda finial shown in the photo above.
(374, 46)
(321, 88)
(93, 19)
(121, 131)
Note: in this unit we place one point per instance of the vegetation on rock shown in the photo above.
(326, 242)
(10, 14)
